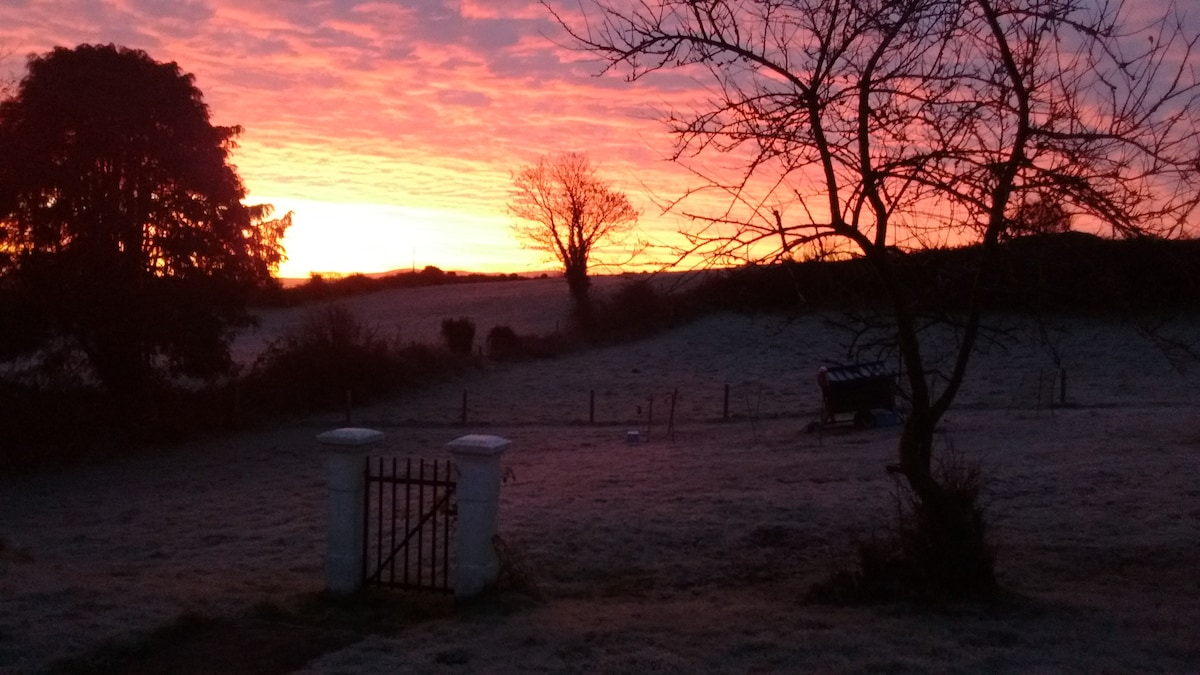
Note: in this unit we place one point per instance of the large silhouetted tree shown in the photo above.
(878, 126)
(122, 229)
(567, 211)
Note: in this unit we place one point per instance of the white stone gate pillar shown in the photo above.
(346, 482)
(478, 460)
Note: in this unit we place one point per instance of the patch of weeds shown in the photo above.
(514, 590)
(514, 574)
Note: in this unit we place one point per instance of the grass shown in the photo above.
(195, 644)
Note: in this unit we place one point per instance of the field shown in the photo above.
(690, 552)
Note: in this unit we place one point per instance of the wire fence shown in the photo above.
(648, 409)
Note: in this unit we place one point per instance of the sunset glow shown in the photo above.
(391, 128)
(332, 238)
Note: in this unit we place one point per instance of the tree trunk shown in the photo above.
(916, 452)
(578, 284)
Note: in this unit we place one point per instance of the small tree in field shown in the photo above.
(877, 126)
(567, 211)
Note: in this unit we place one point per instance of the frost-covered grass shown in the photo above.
(688, 553)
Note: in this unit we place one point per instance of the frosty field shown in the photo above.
(690, 552)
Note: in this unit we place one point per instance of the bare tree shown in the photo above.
(568, 211)
(878, 126)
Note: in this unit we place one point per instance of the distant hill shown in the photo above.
(1070, 271)
(291, 292)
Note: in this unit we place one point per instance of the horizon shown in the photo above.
(334, 275)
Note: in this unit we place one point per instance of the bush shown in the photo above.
(503, 344)
(312, 367)
(635, 310)
(42, 427)
(459, 335)
(946, 544)
(48, 426)
(939, 552)
(331, 353)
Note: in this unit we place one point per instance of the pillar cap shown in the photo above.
(479, 444)
(349, 437)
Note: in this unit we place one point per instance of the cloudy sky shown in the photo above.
(389, 127)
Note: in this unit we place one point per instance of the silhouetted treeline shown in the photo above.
(1072, 272)
(319, 287)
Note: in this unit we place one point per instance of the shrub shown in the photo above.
(313, 366)
(543, 346)
(636, 309)
(459, 335)
(503, 343)
(44, 426)
(940, 551)
(330, 353)
(48, 426)
(946, 542)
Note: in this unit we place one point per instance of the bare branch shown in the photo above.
(867, 127)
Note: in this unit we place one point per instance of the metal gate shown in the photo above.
(408, 517)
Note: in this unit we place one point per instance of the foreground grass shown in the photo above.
(268, 639)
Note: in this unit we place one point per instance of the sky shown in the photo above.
(391, 128)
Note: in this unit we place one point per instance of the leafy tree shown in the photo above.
(871, 127)
(568, 212)
(122, 229)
